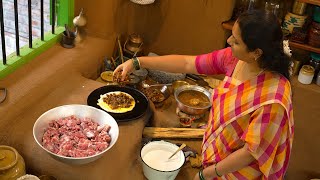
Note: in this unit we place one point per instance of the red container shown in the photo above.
(314, 35)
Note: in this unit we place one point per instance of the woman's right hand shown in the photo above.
(126, 67)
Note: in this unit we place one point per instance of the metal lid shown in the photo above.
(315, 56)
(8, 157)
(135, 38)
(307, 69)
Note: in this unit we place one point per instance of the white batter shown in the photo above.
(158, 159)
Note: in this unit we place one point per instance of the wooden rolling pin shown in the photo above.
(156, 132)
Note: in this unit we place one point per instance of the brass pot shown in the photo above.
(12, 165)
(134, 43)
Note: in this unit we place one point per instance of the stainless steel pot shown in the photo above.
(189, 109)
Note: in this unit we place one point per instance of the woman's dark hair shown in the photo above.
(262, 30)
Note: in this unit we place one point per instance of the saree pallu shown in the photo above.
(258, 113)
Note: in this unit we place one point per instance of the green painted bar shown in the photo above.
(65, 13)
(27, 54)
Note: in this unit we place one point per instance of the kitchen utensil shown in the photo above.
(180, 148)
(80, 20)
(120, 49)
(3, 95)
(28, 177)
(80, 111)
(12, 164)
(163, 76)
(199, 80)
(155, 166)
(141, 73)
(133, 45)
(107, 76)
(189, 109)
(67, 30)
(141, 107)
(68, 40)
(145, 85)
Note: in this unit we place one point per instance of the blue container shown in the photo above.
(315, 62)
(316, 14)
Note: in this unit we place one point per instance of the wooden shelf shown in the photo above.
(309, 87)
(229, 24)
(304, 47)
(314, 2)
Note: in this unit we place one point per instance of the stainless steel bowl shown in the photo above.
(81, 111)
(189, 109)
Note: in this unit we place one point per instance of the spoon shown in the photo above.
(181, 147)
(145, 85)
(67, 30)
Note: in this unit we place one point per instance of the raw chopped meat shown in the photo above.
(74, 137)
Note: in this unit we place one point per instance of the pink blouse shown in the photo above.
(216, 62)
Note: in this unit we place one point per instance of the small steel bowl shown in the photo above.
(189, 109)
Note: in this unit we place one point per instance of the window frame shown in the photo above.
(65, 13)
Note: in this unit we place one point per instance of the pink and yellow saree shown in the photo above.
(258, 113)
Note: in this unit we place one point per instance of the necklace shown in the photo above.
(242, 72)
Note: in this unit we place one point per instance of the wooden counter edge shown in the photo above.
(157, 132)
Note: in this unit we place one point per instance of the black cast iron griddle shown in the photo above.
(141, 106)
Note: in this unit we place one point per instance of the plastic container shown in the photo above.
(314, 35)
(315, 62)
(306, 74)
(12, 165)
(316, 14)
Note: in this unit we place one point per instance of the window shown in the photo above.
(31, 41)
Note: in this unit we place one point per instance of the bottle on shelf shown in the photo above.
(299, 8)
(306, 74)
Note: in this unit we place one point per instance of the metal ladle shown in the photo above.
(145, 85)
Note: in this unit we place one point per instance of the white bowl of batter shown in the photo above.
(155, 162)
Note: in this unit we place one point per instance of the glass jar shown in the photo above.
(273, 7)
(315, 62)
(296, 66)
(306, 74)
(298, 7)
(12, 165)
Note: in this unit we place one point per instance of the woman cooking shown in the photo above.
(250, 127)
